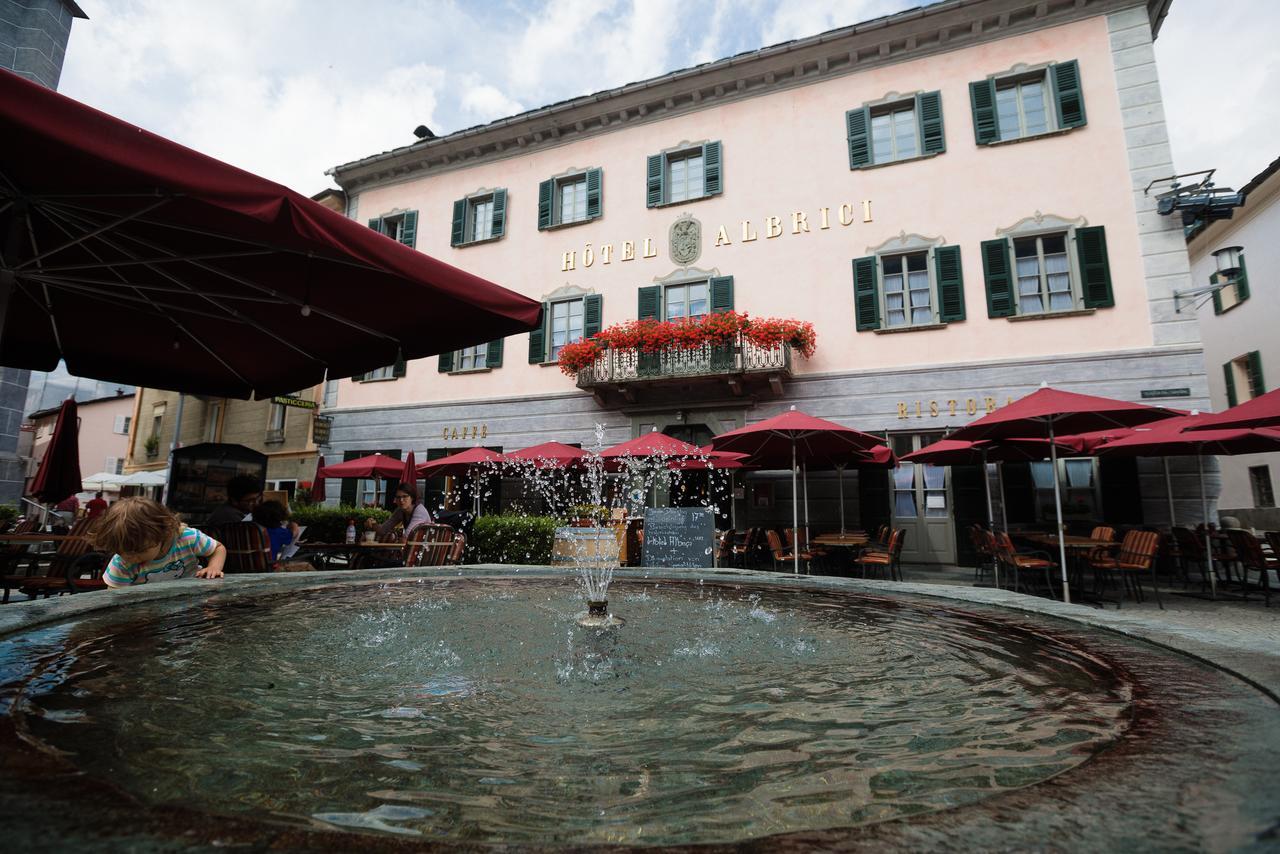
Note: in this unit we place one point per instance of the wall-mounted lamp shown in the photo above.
(1228, 259)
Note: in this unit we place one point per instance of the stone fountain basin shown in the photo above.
(1205, 756)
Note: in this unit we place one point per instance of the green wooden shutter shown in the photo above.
(493, 354)
(546, 193)
(595, 180)
(592, 314)
(348, 493)
(398, 368)
(499, 213)
(946, 262)
(655, 194)
(721, 288)
(1242, 282)
(1067, 94)
(1217, 295)
(1257, 385)
(999, 278)
(982, 97)
(866, 294)
(649, 302)
(358, 378)
(1229, 375)
(933, 138)
(458, 235)
(858, 133)
(1095, 271)
(712, 184)
(538, 338)
(376, 225)
(446, 362)
(409, 228)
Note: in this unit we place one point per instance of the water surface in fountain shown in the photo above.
(480, 711)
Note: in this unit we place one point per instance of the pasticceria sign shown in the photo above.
(744, 231)
(950, 408)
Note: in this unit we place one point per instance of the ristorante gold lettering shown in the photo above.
(950, 407)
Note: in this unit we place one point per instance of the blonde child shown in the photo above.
(150, 544)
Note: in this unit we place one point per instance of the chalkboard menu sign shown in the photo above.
(678, 536)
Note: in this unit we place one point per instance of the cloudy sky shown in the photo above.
(289, 88)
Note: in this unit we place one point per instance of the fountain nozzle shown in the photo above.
(598, 616)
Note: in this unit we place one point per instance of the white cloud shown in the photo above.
(487, 103)
(797, 20)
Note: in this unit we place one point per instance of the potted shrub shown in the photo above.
(152, 445)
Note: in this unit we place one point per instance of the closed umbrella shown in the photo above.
(372, 466)
(409, 471)
(239, 285)
(1182, 437)
(1049, 412)
(58, 477)
(798, 436)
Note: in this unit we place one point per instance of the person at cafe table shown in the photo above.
(409, 513)
(243, 494)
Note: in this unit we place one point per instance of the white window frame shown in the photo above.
(553, 350)
(1229, 290)
(1043, 495)
(892, 110)
(685, 286)
(578, 182)
(375, 487)
(477, 354)
(385, 373)
(157, 419)
(909, 312)
(1074, 289)
(393, 226)
(120, 425)
(475, 230)
(1016, 82)
(684, 156)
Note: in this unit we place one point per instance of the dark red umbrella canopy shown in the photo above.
(958, 452)
(711, 459)
(58, 477)
(140, 261)
(1067, 412)
(1262, 411)
(548, 455)
(459, 464)
(374, 465)
(769, 442)
(1186, 437)
(409, 471)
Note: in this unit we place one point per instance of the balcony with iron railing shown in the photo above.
(740, 366)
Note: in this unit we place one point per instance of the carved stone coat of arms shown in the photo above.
(685, 240)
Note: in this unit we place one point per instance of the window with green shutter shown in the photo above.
(1243, 376)
(1253, 367)
(1027, 104)
(1034, 272)
(571, 199)
(908, 286)
(950, 277)
(1229, 377)
(684, 175)
(998, 277)
(898, 130)
(394, 371)
(479, 218)
(1095, 269)
(401, 227)
(866, 298)
(538, 338)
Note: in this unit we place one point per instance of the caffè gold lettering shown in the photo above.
(464, 432)
(951, 407)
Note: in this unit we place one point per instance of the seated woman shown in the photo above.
(274, 517)
(409, 514)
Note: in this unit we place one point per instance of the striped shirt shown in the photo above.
(179, 561)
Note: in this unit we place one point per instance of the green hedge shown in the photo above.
(329, 524)
(513, 539)
(8, 513)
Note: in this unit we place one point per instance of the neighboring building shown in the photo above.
(334, 200)
(33, 41)
(48, 389)
(104, 434)
(952, 195)
(1235, 271)
(282, 428)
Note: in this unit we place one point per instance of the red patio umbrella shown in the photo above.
(242, 285)
(1261, 411)
(58, 477)
(1184, 437)
(652, 445)
(409, 471)
(1049, 412)
(548, 455)
(372, 466)
(461, 464)
(797, 436)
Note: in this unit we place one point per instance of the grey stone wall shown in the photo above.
(33, 38)
(13, 397)
(869, 401)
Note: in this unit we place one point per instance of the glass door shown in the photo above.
(922, 503)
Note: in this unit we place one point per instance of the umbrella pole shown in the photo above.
(1057, 506)
(840, 481)
(795, 512)
(804, 472)
(1208, 542)
(733, 505)
(1168, 491)
(991, 516)
(1004, 513)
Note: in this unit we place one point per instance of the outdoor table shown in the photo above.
(348, 551)
(853, 541)
(1077, 546)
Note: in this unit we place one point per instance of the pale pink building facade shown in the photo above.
(103, 438)
(1065, 272)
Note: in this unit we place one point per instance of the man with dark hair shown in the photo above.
(95, 507)
(243, 494)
